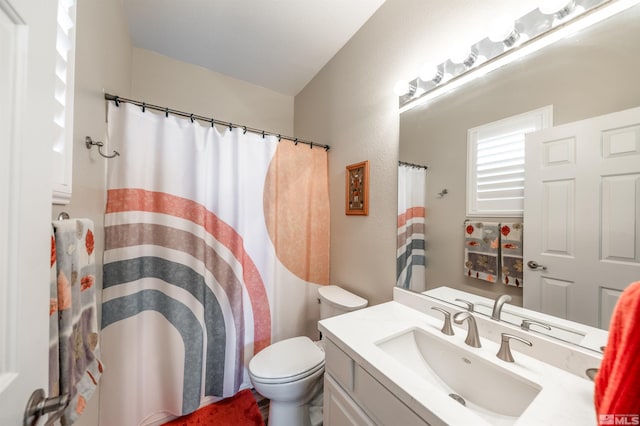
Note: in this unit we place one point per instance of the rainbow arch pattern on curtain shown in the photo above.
(203, 228)
(411, 260)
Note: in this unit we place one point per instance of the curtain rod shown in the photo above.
(419, 166)
(117, 99)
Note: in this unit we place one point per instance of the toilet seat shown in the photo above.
(287, 361)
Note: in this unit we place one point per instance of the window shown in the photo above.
(62, 141)
(495, 163)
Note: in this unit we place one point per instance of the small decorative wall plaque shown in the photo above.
(357, 197)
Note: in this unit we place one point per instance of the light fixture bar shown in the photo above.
(499, 54)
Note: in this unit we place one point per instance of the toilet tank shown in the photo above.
(335, 300)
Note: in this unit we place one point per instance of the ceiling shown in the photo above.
(277, 44)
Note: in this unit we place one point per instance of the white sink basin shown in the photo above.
(494, 393)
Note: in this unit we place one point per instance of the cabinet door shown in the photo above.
(339, 409)
(382, 405)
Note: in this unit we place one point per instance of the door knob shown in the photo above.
(535, 265)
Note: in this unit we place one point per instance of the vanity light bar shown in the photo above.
(494, 55)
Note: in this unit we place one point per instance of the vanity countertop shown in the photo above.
(564, 399)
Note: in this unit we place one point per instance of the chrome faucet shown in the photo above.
(504, 353)
(472, 329)
(497, 306)
(446, 326)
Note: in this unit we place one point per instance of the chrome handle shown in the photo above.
(446, 326)
(507, 336)
(38, 405)
(504, 353)
(466, 302)
(526, 324)
(535, 265)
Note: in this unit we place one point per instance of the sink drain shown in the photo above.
(458, 398)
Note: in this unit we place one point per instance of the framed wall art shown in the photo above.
(357, 192)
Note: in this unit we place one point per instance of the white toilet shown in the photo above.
(289, 372)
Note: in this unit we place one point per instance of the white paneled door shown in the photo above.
(582, 216)
(27, 85)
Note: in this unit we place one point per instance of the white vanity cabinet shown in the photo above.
(378, 370)
(353, 397)
(339, 409)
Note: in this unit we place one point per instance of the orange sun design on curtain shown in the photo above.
(296, 210)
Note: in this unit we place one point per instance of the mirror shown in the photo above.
(591, 73)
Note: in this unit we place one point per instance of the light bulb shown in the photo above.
(464, 55)
(560, 8)
(459, 54)
(430, 72)
(503, 30)
(401, 87)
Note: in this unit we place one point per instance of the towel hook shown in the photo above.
(89, 143)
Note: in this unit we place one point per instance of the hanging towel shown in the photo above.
(481, 244)
(617, 384)
(54, 347)
(73, 299)
(511, 253)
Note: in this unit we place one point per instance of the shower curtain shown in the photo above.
(411, 261)
(215, 240)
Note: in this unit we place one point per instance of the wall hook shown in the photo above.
(443, 193)
(89, 143)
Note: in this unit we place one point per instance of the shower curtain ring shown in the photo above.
(89, 143)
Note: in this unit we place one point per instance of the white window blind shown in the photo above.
(63, 118)
(495, 163)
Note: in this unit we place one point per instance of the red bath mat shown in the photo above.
(238, 410)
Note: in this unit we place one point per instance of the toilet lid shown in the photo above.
(287, 360)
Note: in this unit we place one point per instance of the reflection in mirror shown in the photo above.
(410, 260)
(587, 75)
(530, 321)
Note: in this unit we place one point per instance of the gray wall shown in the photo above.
(164, 81)
(103, 64)
(351, 106)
